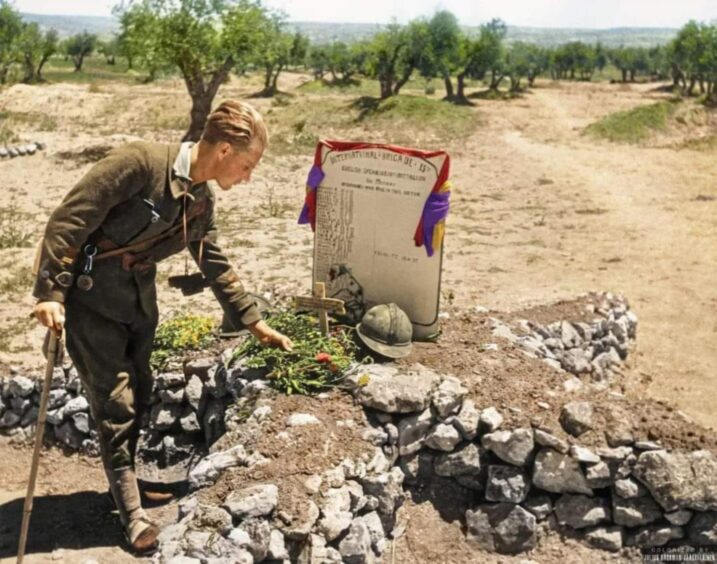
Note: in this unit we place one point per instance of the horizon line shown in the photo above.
(112, 17)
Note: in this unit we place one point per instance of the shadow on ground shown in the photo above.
(73, 521)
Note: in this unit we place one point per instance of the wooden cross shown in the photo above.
(319, 302)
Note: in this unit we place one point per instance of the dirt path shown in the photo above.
(544, 212)
(71, 521)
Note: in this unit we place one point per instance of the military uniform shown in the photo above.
(99, 256)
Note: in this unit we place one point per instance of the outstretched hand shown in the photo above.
(269, 337)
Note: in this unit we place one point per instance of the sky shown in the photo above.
(537, 13)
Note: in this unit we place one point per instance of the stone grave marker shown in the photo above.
(369, 201)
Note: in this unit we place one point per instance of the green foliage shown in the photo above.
(383, 55)
(525, 60)
(576, 60)
(316, 364)
(180, 334)
(10, 30)
(18, 281)
(633, 126)
(13, 230)
(203, 39)
(276, 49)
(692, 56)
(110, 48)
(708, 143)
(80, 46)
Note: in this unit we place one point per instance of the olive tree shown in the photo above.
(36, 48)
(384, 57)
(10, 30)
(204, 40)
(79, 47)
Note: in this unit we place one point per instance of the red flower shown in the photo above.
(323, 357)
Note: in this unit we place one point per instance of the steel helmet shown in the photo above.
(386, 329)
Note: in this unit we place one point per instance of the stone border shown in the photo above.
(422, 426)
(13, 151)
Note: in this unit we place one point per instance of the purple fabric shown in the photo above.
(435, 210)
(304, 215)
(316, 175)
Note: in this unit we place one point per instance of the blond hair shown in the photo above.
(236, 123)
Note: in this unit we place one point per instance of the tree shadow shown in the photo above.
(366, 105)
(263, 93)
(68, 521)
(489, 94)
(458, 100)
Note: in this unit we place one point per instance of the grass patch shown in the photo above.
(633, 126)
(7, 135)
(439, 119)
(179, 335)
(19, 281)
(94, 69)
(317, 363)
(408, 120)
(708, 143)
(357, 87)
(13, 233)
(37, 120)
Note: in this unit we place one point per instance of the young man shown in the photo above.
(97, 265)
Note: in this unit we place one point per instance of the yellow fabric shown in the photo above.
(440, 228)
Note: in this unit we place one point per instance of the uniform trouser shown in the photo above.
(112, 360)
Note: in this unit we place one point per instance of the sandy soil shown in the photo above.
(540, 213)
(72, 520)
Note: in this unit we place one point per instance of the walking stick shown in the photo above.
(52, 350)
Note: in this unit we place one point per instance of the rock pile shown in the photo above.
(421, 426)
(12, 151)
(68, 415)
(582, 348)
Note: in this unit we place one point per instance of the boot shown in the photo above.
(141, 533)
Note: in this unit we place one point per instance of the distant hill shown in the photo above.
(70, 25)
(350, 32)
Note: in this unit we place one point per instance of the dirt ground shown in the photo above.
(540, 213)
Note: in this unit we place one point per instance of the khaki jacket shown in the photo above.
(128, 197)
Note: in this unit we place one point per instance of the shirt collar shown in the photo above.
(181, 181)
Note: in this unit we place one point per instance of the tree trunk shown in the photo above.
(39, 67)
(268, 73)
(461, 87)
(495, 80)
(201, 106)
(403, 80)
(702, 86)
(691, 87)
(275, 79)
(449, 86)
(78, 60)
(29, 71)
(531, 79)
(129, 62)
(676, 75)
(202, 97)
(386, 89)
